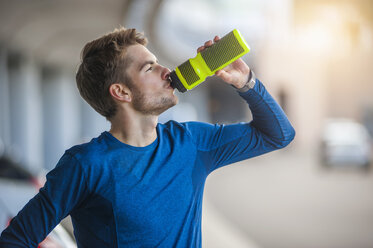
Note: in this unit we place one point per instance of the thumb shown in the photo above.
(224, 75)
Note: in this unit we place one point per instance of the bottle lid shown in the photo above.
(176, 83)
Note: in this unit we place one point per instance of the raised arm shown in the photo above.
(269, 130)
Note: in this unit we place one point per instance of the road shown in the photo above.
(285, 199)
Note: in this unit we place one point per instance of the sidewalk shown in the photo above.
(219, 232)
(286, 199)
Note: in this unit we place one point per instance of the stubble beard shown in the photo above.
(153, 106)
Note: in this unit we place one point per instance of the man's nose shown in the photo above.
(165, 73)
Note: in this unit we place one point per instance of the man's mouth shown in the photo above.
(168, 85)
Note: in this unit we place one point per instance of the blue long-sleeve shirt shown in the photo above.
(124, 196)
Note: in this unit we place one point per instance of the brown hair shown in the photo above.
(103, 62)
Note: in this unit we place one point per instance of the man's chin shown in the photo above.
(167, 105)
(174, 103)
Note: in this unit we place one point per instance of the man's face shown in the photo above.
(150, 87)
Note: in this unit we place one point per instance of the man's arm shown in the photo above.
(219, 145)
(269, 130)
(64, 189)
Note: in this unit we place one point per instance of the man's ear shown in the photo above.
(120, 92)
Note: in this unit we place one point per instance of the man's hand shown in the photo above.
(236, 73)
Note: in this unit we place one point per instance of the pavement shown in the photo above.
(286, 199)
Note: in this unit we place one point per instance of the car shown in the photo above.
(345, 142)
(17, 187)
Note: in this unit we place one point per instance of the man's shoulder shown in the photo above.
(88, 148)
(193, 129)
(172, 124)
(187, 126)
(175, 126)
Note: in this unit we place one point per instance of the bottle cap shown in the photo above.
(176, 83)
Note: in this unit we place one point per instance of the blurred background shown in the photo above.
(315, 58)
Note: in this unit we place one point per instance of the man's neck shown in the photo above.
(137, 131)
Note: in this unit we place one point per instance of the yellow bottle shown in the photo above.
(195, 70)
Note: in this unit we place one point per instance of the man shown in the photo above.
(141, 183)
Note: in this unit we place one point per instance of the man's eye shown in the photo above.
(150, 68)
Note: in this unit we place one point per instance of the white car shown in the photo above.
(346, 142)
(17, 187)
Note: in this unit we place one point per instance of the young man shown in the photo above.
(141, 183)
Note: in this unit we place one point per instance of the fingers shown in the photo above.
(208, 44)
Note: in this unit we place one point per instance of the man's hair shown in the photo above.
(103, 62)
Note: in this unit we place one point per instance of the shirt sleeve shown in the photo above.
(63, 191)
(270, 129)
